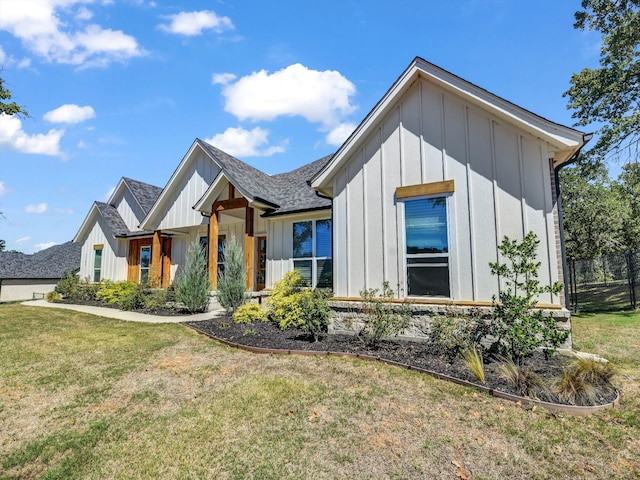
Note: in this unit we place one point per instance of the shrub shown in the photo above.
(157, 299)
(285, 307)
(231, 282)
(316, 312)
(381, 317)
(521, 377)
(583, 380)
(455, 331)
(473, 359)
(53, 297)
(68, 285)
(192, 285)
(517, 327)
(134, 299)
(249, 313)
(113, 292)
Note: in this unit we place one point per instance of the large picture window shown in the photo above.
(427, 243)
(312, 252)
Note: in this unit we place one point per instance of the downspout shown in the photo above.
(563, 248)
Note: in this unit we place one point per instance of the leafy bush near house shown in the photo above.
(517, 327)
(68, 285)
(157, 299)
(380, 316)
(135, 298)
(192, 284)
(292, 305)
(249, 313)
(456, 331)
(231, 289)
(113, 292)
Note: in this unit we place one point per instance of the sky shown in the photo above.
(119, 88)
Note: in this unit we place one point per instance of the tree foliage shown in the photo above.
(7, 107)
(609, 94)
(232, 281)
(192, 282)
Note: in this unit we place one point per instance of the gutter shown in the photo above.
(556, 175)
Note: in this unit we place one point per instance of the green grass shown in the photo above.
(88, 397)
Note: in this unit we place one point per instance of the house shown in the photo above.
(420, 195)
(26, 277)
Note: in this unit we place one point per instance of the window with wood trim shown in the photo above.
(312, 252)
(145, 264)
(97, 263)
(427, 247)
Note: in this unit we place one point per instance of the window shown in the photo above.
(312, 252)
(427, 246)
(97, 263)
(145, 262)
(204, 248)
(222, 240)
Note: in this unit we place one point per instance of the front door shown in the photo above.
(261, 273)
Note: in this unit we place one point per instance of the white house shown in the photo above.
(420, 195)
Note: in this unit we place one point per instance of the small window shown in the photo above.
(145, 263)
(97, 264)
(427, 244)
(312, 252)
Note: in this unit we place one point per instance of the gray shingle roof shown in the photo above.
(145, 194)
(113, 219)
(52, 263)
(287, 192)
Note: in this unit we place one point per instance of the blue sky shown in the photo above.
(122, 87)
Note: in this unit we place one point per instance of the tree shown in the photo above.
(232, 281)
(609, 94)
(593, 212)
(192, 282)
(9, 108)
(628, 188)
(2, 245)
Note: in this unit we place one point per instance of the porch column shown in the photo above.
(155, 270)
(249, 247)
(213, 249)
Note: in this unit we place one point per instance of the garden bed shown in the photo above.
(425, 356)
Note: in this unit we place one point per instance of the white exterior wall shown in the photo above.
(129, 210)
(502, 187)
(186, 192)
(114, 254)
(23, 289)
(279, 231)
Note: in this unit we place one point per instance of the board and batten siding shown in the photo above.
(502, 187)
(186, 192)
(129, 210)
(114, 254)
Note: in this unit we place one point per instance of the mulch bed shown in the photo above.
(425, 355)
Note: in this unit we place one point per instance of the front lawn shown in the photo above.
(87, 397)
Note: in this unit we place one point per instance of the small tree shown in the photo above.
(517, 327)
(231, 282)
(192, 283)
(381, 317)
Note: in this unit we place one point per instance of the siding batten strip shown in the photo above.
(472, 246)
(496, 203)
(365, 219)
(523, 203)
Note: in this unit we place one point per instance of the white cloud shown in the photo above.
(3, 55)
(245, 143)
(340, 133)
(193, 23)
(3, 189)
(70, 113)
(43, 246)
(84, 13)
(39, 208)
(47, 28)
(22, 240)
(222, 78)
(24, 63)
(12, 136)
(318, 96)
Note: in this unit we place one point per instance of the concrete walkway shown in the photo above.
(127, 316)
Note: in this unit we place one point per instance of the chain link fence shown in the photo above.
(606, 283)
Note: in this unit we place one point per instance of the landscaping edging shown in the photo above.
(555, 407)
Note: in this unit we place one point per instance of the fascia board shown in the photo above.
(215, 189)
(83, 233)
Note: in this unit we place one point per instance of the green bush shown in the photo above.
(455, 331)
(192, 285)
(316, 312)
(231, 290)
(517, 327)
(157, 299)
(249, 313)
(113, 292)
(381, 317)
(68, 285)
(135, 298)
(284, 303)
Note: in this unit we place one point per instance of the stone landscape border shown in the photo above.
(555, 407)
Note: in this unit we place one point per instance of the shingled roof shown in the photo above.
(145, 194)
(287, 192)
(51, 263)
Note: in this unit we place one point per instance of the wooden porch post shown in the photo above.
(155, 270)
(249, 247)
(213, 249)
